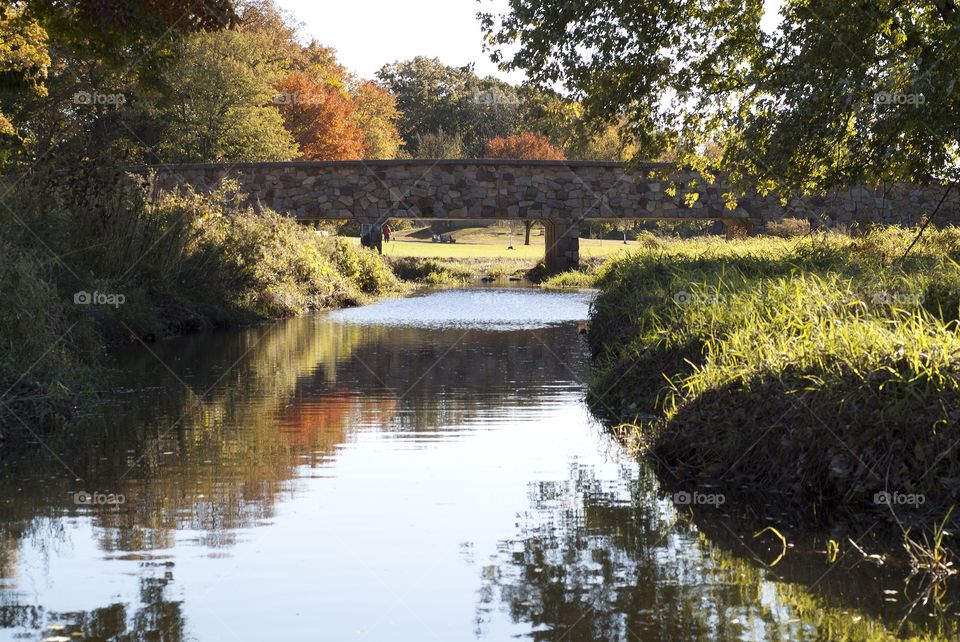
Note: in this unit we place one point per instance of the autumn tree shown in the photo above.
(321, 118)
(525, 146)
(24, 61)
(377, 115)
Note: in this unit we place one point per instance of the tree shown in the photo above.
(526, 146)
(840, 93)
(432, 96)
(377, 115)
(321, 119)
(53, 54)
(24, 61)
(218, 103)
(439, 144)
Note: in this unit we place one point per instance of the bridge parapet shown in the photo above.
(467, 189)
(559, 193)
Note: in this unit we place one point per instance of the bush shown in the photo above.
(44, 351)
(431, 271)
(180, 262)
(369, 271)
(789, 228)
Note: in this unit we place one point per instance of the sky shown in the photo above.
(368, 34)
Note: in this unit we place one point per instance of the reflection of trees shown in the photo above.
(602, 561)
(156, 618)
(293, 393)
(282, 396)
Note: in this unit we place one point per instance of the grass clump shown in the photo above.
(584, 276)
(815, 368)
(439, 271)
(427, 271)
(788, 228)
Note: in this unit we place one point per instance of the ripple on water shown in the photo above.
(486, 308)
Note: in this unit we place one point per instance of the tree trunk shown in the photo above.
(528, 225)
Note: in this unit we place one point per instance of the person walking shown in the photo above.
(376, 238)
(387, 231)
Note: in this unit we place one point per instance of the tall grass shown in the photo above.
(181, 261)
(823, 368)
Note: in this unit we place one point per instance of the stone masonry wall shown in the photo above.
(550, 190)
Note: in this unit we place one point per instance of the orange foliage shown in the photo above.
(320, 118)
(525, 146)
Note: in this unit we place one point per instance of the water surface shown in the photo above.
(419, 469)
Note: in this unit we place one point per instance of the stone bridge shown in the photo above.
(560, 194)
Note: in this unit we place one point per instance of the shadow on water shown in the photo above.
(216, 440)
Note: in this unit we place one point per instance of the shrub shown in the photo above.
(789, 228)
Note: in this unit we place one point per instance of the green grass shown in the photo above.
(489, 243)
(818, 368)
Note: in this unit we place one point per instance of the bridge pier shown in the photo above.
(562, 240)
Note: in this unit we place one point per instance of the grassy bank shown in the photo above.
(823, 368)
(93, 266)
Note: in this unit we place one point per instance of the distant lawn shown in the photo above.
(489, 242)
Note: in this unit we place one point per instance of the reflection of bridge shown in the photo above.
(561, 194)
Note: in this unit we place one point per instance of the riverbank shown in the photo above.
(825, 370)
(94, 268)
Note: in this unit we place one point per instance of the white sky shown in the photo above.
(368, 34)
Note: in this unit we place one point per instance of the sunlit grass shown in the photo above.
(823, 367)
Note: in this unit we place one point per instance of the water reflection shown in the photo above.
(611, 559)
(356, 476)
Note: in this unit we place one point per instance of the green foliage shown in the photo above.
(368, 270)
(216, 103)
(840, 93)
(439, 144)
(434, 97)
(44, 350)
(720, 344)
(432, 271)
(183, 262)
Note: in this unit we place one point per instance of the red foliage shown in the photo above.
(525, 146)
(320, 118)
